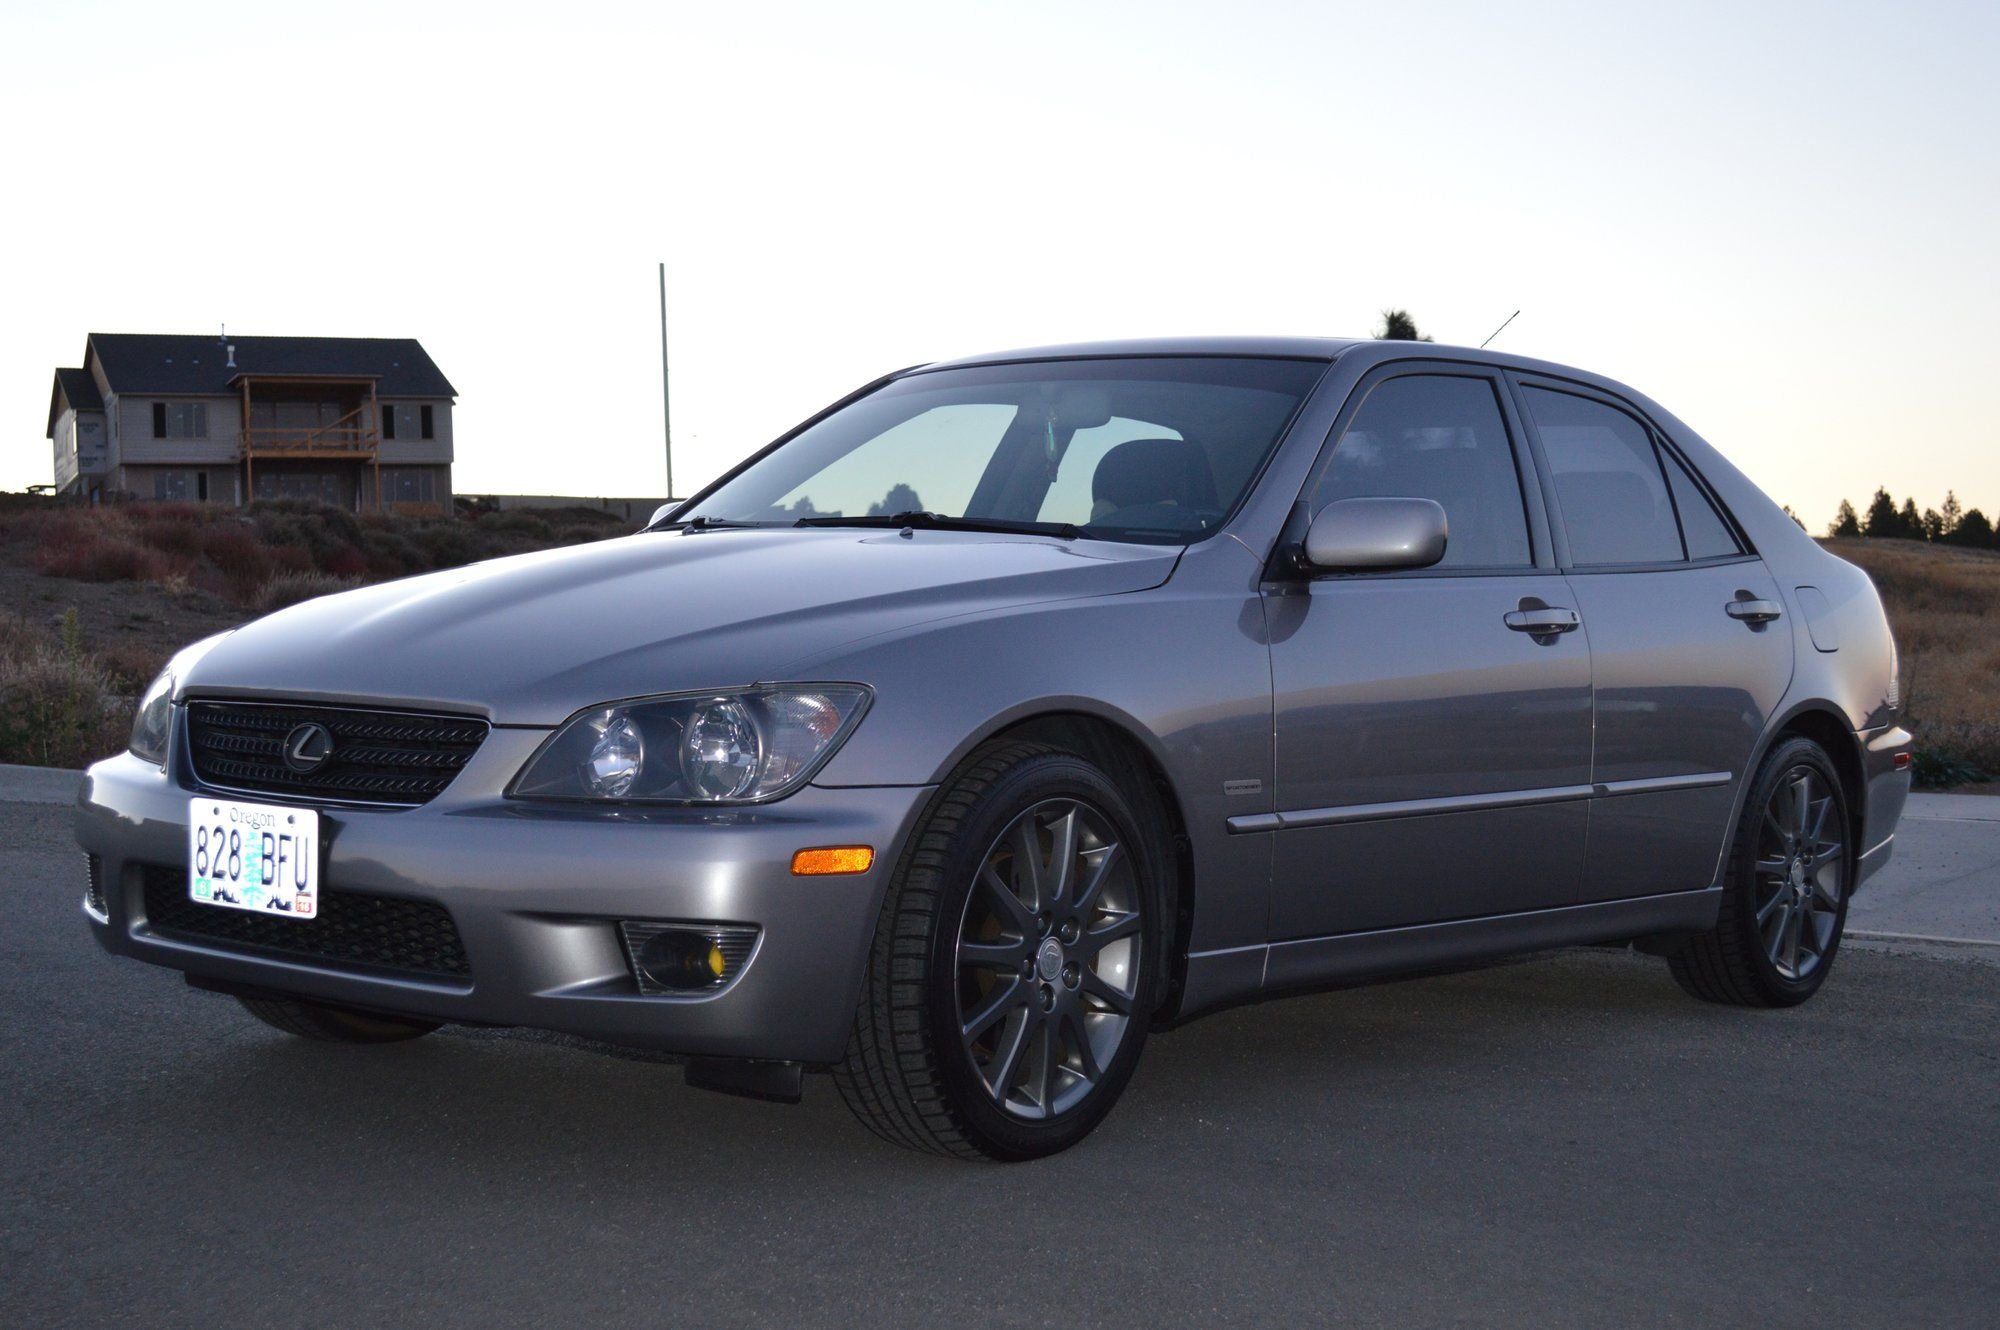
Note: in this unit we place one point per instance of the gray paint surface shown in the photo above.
(1255, 693)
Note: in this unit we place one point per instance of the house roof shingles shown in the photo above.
(199, 365)
(74, 390)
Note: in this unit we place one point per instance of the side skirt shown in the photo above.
(1225, 978)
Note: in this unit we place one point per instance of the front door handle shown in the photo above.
(1754, 611)
(1548, 619)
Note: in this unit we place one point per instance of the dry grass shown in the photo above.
(255, 556)
(1944, 604)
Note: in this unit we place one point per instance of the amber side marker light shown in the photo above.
(833, 859)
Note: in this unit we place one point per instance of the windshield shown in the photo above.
(1157, 450)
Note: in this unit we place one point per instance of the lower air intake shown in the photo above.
(353, 930)
(93, 889)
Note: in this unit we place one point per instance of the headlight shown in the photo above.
(155, 720)
(701, 748)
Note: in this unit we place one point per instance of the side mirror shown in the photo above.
(1350, 535)
(660, 513)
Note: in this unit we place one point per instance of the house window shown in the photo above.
(388, 422)
(409, 484)
(180, 420)
(175, 484)
(429, 422)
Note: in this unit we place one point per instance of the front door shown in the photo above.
(1432, 755)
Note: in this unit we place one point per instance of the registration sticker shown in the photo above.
(261, 857)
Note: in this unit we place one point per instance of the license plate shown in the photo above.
(260, 857)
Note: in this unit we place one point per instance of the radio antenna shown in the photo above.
(1502, 328)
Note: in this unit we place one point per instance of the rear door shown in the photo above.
(1432, 761)
(1686, 661)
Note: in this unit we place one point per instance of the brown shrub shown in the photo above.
(58, 707)
(105, 557)
(291, 588)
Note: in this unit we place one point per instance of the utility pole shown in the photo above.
(666, 414)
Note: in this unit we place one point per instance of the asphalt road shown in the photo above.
(1567, 1140)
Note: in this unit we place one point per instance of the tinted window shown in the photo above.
(1707, 535)
(1441, 437)
(1614, 499)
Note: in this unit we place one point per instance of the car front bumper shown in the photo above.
(537, 893)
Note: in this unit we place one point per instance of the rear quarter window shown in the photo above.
(1708, 536)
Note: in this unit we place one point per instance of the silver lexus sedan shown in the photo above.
(1015, 707)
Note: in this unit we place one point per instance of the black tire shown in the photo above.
(1733, 962)
(908, 1074)
(334, 1025)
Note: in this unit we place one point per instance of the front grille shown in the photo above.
(93, 889)
(734, 941)
(352, 930)
(378, 757)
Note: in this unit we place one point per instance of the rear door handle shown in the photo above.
(1543, 621)
(1754, 611)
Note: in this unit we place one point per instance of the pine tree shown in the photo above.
(1933, 524)
(1911, 524)
(1845, 523)
(1973, 529)
(1882, 521)
(1951, 512)
(1795, 517)
(1398, 326)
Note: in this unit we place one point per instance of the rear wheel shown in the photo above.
(1784, 904)
(1015, 963)
(330, 1024)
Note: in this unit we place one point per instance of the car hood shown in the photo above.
(532, 639)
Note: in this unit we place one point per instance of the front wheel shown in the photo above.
(1784, 903)
(1015, 964)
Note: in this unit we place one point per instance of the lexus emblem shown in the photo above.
(308, 747)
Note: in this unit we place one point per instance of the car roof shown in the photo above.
(1370, 350)
(1294, 348)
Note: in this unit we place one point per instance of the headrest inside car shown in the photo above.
(1143, 472)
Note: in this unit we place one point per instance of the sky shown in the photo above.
(1778, 220)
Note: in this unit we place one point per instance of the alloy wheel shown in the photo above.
(1800, 873)
(1047, 958)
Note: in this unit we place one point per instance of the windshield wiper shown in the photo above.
(717, 524)
(937, 521)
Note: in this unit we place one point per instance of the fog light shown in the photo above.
(833, 859)
(681, 960)
(686, 958)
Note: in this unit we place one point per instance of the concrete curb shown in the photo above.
(1953, 808)
(38, 785)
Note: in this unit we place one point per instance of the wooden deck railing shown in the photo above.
(353, 435)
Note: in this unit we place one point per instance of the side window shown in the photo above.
(1707, 535)
(1608, 480)
(1440, 437)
